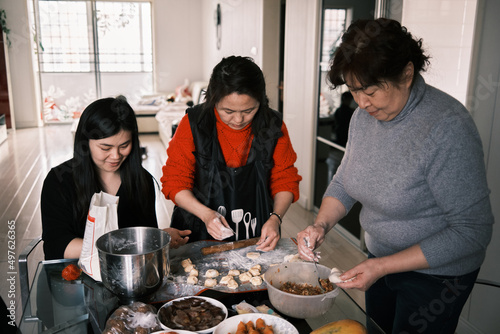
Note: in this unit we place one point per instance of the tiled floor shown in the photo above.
(27, 156)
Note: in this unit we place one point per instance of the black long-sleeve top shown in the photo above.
(60, 222)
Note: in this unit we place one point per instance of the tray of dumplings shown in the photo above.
(230, 271)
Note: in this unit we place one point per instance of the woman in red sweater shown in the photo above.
(231, 163)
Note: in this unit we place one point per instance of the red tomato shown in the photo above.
(71, 272)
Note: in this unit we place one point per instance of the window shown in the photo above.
(92, 49)
(334, 25)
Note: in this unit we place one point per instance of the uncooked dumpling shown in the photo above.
(210, 282)
(257, 266)
(253, 255)
(232, 284)
(186, 262)
(254, 272)
(256, 280)
(189, 268)
(192, 280)
(233, 272)
(292, 258)
(211, 273)
(193, 272)
(224, 280)
(245, 277)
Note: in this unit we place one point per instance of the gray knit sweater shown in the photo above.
(421, 180)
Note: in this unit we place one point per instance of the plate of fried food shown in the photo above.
(258, 323)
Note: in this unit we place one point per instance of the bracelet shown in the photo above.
(277, 215)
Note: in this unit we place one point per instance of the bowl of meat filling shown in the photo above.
(294, 290)
(197, 314)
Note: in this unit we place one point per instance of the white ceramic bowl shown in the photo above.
(177, 331)
(298, 306)
(212, 301)
(280, 325)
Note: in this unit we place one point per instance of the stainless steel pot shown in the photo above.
(134, 260)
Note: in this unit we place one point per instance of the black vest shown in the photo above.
(243, 191)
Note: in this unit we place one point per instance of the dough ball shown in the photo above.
(211, 273)
(245, 277)
(210, 282)
(257, 266)
(192, 280)
(256, 280)
(189, 267)
(234, 272)
(186, 262)
(193, 272)
(253, 255)
(224, 280)
(335, 275)
(254, 272)
(292, 258)
(232, 284)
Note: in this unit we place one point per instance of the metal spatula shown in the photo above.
(315, 260)
(237, 216)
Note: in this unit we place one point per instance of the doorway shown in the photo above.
(337, 15)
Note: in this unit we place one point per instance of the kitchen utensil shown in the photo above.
(298, 306)
(237, 216)
(228, 246)
(253, 224)
(222, 211)
(316, 256)
(134, 260)
(319, 279)
(247, 223)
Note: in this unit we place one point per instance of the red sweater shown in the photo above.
(179, 170)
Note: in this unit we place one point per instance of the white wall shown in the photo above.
(301, 87)
(447, 28)
(178, 47)
(248, 28)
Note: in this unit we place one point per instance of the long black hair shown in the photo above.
(102, 119)
(241, 75)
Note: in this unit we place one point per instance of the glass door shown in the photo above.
(336, 106)
(92, 49)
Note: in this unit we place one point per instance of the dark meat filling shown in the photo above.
(192, 314)
(307, 289)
